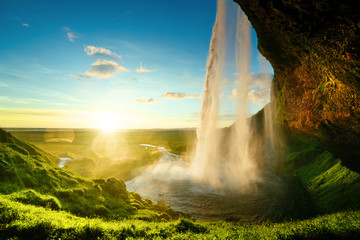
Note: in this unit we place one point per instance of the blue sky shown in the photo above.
(125, 64)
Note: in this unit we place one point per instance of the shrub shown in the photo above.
(34, 198)
(101, 210)
(187, 225)
(115, 188)
(135, 196)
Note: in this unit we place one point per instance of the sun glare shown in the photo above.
(107, 121)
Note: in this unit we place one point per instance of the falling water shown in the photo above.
(225, 178)
(238, 167)
(206, 163)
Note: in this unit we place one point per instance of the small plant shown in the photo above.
(188, 226)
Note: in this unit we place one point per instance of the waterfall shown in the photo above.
(229, 174)
(206, 163)
(210, 165)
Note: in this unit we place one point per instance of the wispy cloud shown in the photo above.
(93, 51)
(27, 101)
(121, 16)
(105, 69)
(70, 34)
(180, 95)
(81, 77)
(150, 100)
(48, 93)
(41, 68)
(142, 69)
(3, 84)
(25, 25)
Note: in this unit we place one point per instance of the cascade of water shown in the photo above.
(205, 164)
(209, 165)
(225, 177)
(241, 168)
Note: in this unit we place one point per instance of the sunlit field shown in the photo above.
(105, 153)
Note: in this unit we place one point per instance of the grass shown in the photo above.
(22, 221)
(39, 200)
(29, 175)
(320, 177)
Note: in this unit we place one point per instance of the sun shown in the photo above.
(107, 121)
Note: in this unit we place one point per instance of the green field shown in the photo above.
(39, 200)
(115, 154)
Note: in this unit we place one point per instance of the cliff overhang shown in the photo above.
(314, 49)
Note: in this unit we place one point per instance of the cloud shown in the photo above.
(25, 25)
(259, 94)
(70, 34)
(262, 80)
(3, 84)
(256, 96)
(105, 69)
(259, 97)
(80, 77)
(180, 95)
(141, 69)
(93, 51)
(16, 100)
(150, 100)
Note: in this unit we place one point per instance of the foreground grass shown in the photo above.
(22, 221)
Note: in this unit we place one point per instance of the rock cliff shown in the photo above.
(314, 48)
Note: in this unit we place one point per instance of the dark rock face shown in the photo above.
(314, 48)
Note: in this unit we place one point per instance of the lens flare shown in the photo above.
(107, 121)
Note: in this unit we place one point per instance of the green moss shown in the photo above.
(280, 106)
(326, 183)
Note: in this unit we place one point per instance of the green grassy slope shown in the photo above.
(30, 175)
(322, 176)
(39, 200)
(23, 221)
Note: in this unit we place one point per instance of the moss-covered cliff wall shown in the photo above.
(314, 48)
